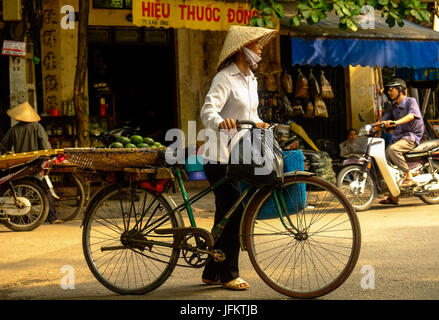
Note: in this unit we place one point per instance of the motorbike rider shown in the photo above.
(406, 117)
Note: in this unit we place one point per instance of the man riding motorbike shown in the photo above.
(406, 116)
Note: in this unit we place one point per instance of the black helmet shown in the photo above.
(396, 82)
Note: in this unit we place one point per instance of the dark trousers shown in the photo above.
(228, 242)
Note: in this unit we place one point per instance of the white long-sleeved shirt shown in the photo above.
(231, 95)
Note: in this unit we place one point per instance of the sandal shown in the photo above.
(236, 284)
(389, 200)
(211, 282)
(408, 183)
(57, 221)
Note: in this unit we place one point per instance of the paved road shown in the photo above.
(399, 260)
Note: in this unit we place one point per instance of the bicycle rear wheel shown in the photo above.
(71, 195)
(123, 257)
(315, 250)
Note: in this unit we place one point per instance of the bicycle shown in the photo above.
(70, 190)
(134, 234)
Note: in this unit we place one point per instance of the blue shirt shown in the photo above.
(413, 130)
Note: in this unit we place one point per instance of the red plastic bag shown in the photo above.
(157, 187)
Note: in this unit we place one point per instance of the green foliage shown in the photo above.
(349, 11)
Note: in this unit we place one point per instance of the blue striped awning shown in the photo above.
(365, 52)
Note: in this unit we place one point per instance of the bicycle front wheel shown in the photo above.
(120, 246)
(315, 249)
(39, 205)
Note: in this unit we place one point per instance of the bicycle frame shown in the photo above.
(219, 227)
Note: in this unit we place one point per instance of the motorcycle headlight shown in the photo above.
(368, 127)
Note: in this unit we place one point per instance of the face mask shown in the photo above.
(251, 57)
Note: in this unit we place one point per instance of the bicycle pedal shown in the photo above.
(218, 255)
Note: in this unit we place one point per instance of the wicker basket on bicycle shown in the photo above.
(115, 159)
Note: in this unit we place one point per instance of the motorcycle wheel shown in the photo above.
(39, 210)
(433, 196)
(346, 180)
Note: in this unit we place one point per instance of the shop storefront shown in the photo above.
(131, 72)
(17, 71)
(150, 64)
(5, 122)
(356, 65)
(130, 82)
(424, 86)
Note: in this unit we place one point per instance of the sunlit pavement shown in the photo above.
(398, 260)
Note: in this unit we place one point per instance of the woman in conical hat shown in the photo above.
(24, 112)
(232, 95)
(26, 136)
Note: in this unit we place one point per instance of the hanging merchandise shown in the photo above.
(320, 109)
(261, 74)
(314, 87)
(270, 82)
(286, 104)
(287, 82)
(309, 109)
(325, 86)
(302, 86)
(261, 83)
(297, 108)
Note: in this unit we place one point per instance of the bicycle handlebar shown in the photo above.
(239, 123)
(381, 125)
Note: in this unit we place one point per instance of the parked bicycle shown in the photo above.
(69, 188)
(24, 203)
(303, 239)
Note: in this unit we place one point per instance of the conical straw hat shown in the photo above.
(24, 112)
(240, 36)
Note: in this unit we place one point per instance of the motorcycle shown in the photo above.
(24, 202)
(364, 175)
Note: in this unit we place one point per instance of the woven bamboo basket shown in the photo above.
(115, 159)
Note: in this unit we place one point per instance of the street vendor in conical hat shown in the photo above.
(28, 134)
(232, 95)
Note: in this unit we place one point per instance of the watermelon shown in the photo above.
(124, 140)
(148, 141)
(116, 145)
(130, 145)
(136, 139)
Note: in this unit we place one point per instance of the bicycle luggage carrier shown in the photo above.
(10, 160)
(115, 159)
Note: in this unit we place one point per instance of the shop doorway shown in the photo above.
(138, 84)
(326, 133)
